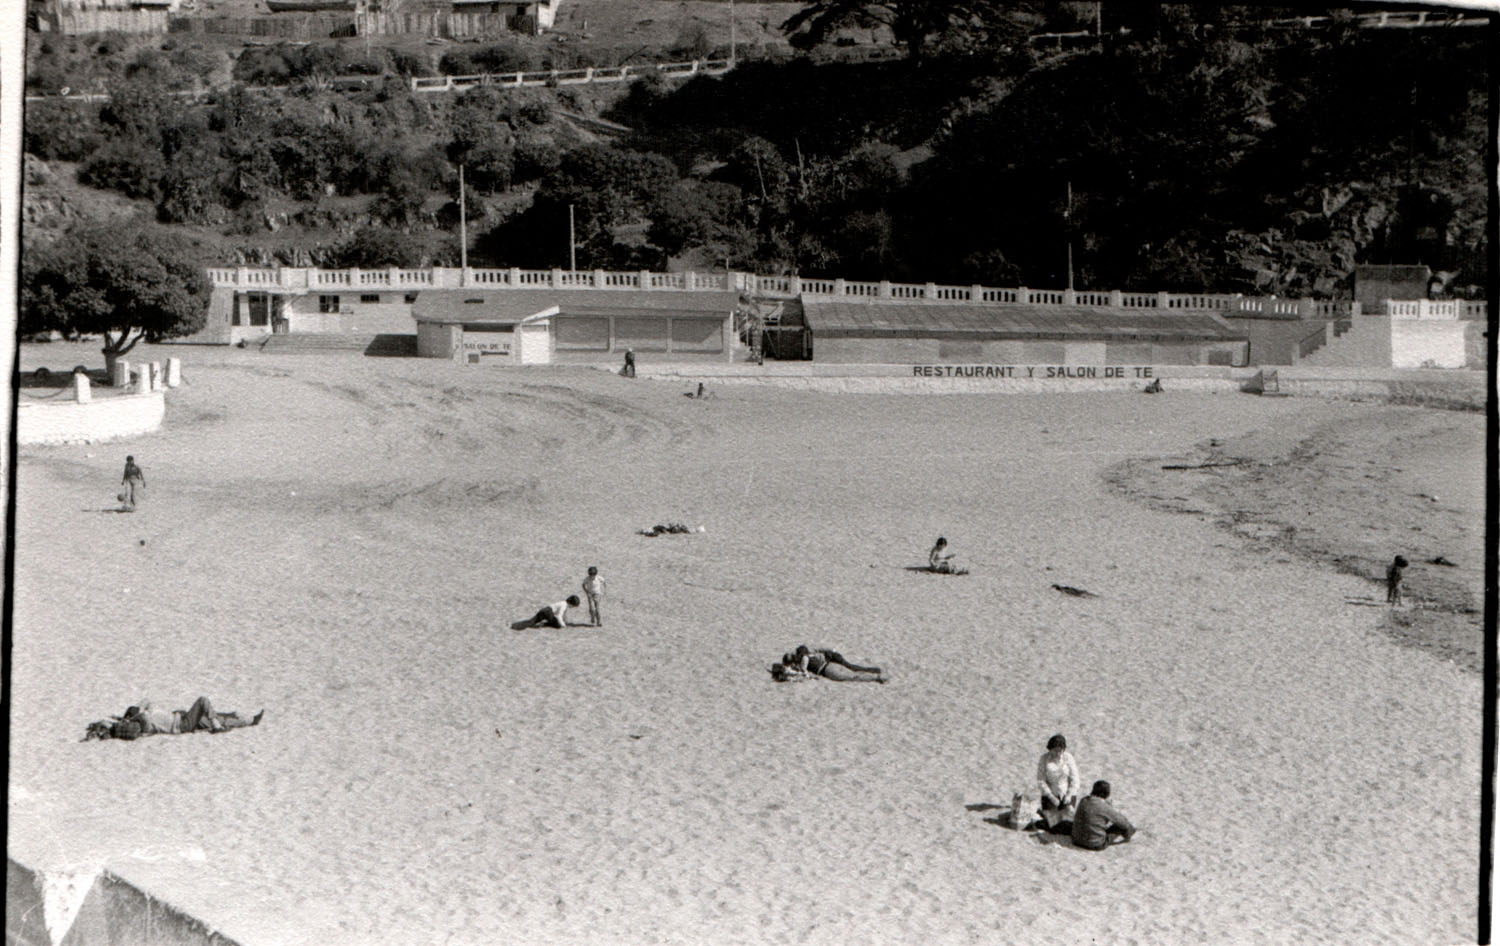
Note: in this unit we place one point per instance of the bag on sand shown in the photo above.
(1022, 811)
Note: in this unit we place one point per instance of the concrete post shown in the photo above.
(1116, 298)
(155, 376)
(81, 390)
(1070, 297)
(1307, 308)
(1023, 295)
(394, 275)
(976, 293)
(140, 378)
(883, 289)
(689, 279)
(513, 278)
(929, 292)
(645, 279)
(838, 288)
(354, 274)
(556, 278)
(174, 372)
(795, 284)
(1164, 301)
(598, 279)
(122, 373)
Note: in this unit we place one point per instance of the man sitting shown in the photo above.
(1097, 824)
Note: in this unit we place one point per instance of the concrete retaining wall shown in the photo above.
(112, 913)
(105, 418)
(935, 350)
(1428, 343)
(959, 379)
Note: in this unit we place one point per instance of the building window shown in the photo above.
(369, 297)
(411, 297)
(234, 311)
(328, 303)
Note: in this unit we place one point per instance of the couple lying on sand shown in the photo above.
(804, 663)
(143, 720)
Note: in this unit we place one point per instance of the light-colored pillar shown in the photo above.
(81, 390)
(156, 376)
(689, 280)
(645, 279)
(796, 285)
(174, 372)
(1116, 298)
(556, 278)
(883, 289)
(122, 373)
(1070, 297)
(838, 288)
(140, 378)
(976, 293)
(598, 279)
(1023, 295)
(1164, 301)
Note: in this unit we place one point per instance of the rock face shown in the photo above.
(52, 201)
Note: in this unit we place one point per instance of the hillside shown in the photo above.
(1188, 154)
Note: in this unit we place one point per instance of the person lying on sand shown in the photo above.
(820, 662)
(1097, 824)
(553, 615)
(143, 720)
(941, 560)
(671, 528)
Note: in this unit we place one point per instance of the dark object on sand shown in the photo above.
(928, 569)
(1203, 466)
(1442, 561)
(1075, 592)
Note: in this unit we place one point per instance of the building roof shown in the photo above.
(514, 305)
(992, 322)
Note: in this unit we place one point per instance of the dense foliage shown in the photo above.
(1196, 148)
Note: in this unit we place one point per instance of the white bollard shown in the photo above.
(174, 372)
(140, 378)
(81, 390)
(122, 373)
(158, 379)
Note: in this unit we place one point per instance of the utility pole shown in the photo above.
(463, 232)
(731, 32)
(1068, 232)
(572, 244)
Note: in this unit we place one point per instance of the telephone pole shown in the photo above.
(731, 32)
(1068, 232)
(572, 244)
(463, 231)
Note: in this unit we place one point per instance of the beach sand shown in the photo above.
(344, 541)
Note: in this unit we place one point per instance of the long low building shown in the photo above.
(924, 332)
(576, 326)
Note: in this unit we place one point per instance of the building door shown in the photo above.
(535, 343)
(280, 324)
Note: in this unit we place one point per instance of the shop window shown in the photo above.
(328, 303)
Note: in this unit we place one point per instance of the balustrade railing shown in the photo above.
(291, 279)
(670, 70)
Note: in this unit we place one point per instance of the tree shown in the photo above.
(915, 24)
(124, 282)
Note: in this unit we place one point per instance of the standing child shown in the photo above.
(1393, 581)
(132, 480)
(593, 587)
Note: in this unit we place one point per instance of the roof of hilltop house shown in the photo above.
(479, 304)
(986, 322)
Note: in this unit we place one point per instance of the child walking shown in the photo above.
(593, 587)
(133, 480)
(1393, 581)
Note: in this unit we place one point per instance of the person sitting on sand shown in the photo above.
(1393, 581)
(821, 662)
(143, 720)
(1154, 387)
(553, 615)
(941, 560)
(1097, 824)
(1057, 777)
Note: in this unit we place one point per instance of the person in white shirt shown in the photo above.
(553, 615)
(593, 588)
(1057, 777)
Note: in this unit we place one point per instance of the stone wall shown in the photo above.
(104, 418)
(1428, 343)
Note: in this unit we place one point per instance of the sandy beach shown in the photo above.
(343, 541)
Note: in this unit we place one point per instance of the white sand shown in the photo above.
(343, 541)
